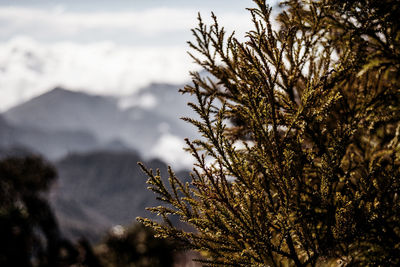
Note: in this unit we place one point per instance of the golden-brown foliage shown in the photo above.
(300, 155)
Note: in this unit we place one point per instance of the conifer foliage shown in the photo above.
(299, 160)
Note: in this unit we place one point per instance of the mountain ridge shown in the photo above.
(138, 126)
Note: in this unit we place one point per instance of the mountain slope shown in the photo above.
(139, 120)
(101, 189)
(61, 109)
(52, 144)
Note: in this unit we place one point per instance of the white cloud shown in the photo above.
(59, 23)
(101, 52)
(169, 148)
(29, 68)
(145, 101)
(144, 21)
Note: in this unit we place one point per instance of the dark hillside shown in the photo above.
(100, 189)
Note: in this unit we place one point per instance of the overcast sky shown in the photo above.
(108, 47)
(132, 22)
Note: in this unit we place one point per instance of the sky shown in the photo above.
(110, 47)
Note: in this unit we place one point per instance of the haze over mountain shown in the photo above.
(147, 121)
(51, 143)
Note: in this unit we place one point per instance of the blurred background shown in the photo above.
(88, 89)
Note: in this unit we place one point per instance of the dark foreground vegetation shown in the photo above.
(30, 235)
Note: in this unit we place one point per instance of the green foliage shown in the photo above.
(300, 155)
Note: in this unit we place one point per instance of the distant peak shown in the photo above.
(59, 88)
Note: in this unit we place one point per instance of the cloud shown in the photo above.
(153, 20)
(169, 148)
(29, 68)
(113, 52)
(145, 101)
(57, 23)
